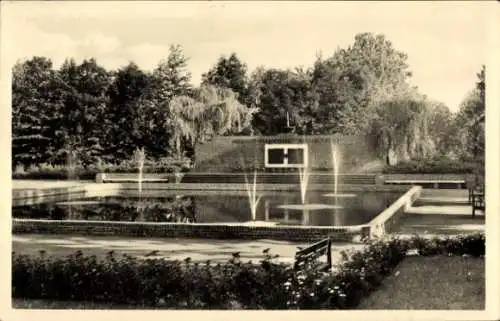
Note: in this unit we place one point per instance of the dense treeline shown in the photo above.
(83, 113)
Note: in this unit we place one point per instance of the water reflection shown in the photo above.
(216, 208)
(172, 209)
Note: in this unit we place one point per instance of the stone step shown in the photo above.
(441, 210)
(436, 200)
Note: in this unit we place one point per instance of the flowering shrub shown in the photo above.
(232, 285)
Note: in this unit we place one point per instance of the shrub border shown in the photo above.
(189, 285)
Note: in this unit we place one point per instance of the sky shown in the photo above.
(446, 42)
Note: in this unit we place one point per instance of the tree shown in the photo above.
(85, 109)
(470, 121)
(254, 88)
(34, 104)
(212, 111)
(441, 129)
(336, 96)
(283, 96)
(229, 72)
(222, 114)
(68, 134)
(354, 81)
(400, 130)
(481, 85)
(180, 122)
(125, 116)
(170, 79)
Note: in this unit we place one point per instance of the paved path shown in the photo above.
(197, 250)
(42, 184)
(441, 212)
(439, 224)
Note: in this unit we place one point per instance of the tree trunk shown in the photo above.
(406, 149)
(178, 146)
(389, 151)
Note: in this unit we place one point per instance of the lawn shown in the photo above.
(49, 304)
(436, 282)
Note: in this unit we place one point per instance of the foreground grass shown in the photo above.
(32, 304)
(48, 304)
(436, 282)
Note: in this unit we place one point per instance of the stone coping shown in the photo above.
(427, 176)
(271, 173)
(186, 230)
(95, 189)
(210, 230)
(260, 187)
(353, 228)
(383, 222)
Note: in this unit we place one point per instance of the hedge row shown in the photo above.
(263, 169)
(233, 285)
(431, 167)
(49, 171)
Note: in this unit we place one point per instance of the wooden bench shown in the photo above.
(478, 202)
(310, 255)
(435, 183)
(475, 189)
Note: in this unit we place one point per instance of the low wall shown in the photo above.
(315, 178)
(290, 177)
(428, 176)
(240, 189)
(180, 230)
(442, 181)
(263, 177)
(158, 187)
(133, 177)
(21, 197)
(230, 153)
(35, 196)
(384, 222)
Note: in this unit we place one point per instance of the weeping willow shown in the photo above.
(182, 113)
(223, 112)
(400, 130)
(213, 111)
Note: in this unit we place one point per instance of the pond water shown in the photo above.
(279, 208)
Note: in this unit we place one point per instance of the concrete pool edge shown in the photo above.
(387, 219)
(198, 230)
(110, 189)
(31, 196)
(187, 230)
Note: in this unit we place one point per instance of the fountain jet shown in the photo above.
(304, 206)
(336, 171)
(304, 181)
(335, 167)
(253, 199)
(139, 158)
